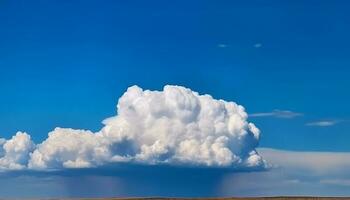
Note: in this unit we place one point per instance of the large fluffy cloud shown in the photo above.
(175, 126)
(14, 153)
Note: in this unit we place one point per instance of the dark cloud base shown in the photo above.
(122, 180)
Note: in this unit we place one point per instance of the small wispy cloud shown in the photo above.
(222, 45)
(323, 123)
(257, 45)
(277, 113)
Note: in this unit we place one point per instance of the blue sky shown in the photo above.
(66, 63)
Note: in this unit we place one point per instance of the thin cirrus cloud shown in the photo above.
(176, 126)
(278, 114)
(323, 123)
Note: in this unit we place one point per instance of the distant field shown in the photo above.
(156, 198)
(259, 198)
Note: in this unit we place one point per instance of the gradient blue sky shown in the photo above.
(66, 63)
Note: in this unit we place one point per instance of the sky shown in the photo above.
(68, 63)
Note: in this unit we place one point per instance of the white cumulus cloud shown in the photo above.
(15, 152)
(175, 126)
